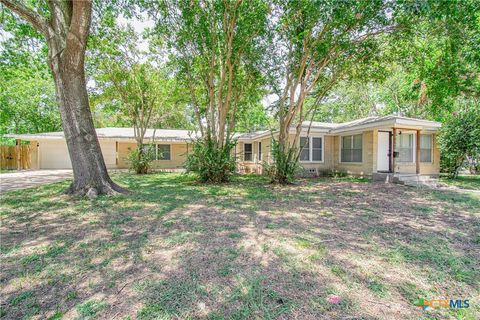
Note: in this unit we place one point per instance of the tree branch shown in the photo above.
(31, 16)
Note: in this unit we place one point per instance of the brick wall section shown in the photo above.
(434, 167)
(178, 156)
(364, 168)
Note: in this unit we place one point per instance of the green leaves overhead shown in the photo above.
(27, 93)
(419, 58)
(425, 69)
(130, 83)
(217, 47)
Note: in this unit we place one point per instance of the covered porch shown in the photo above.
(406, 154)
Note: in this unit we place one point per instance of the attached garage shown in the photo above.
(54, 154)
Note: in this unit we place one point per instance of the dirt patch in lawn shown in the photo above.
(176, 250)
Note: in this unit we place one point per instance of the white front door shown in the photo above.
(383, 149)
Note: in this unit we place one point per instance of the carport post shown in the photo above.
(394, 136)
(18, 153)
(417, 153)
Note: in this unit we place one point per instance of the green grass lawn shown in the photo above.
(471, 182)
(175, 249)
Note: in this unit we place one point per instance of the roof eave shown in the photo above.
(115, 138)
(394, 123)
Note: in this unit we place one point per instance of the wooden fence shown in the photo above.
(15, 157)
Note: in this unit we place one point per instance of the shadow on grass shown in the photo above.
(246, 249)
(471, 182)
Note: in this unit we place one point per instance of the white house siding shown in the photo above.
(54, 154)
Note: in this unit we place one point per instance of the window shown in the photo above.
(159, 151)
(305, 149)
(352, 148)
(316, 149)
(259, 151)
(247, 152)
(310, 149)
(426, 148)
(149, 148)
(404, 147)
(163, 152)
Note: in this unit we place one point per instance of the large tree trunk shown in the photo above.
(90, 176)
(67, 42)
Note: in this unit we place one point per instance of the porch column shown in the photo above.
(417, 153)
(392, 157)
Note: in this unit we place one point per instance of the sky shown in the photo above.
(139, 25)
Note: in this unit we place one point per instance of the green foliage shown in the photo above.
(252, 118)
(426, 68)
(217, 48)
(459, 139)
(439, 51)
(140, 160)
(132, 87)
(212, 163)
(284, 166)
(27, 92)
(471, 182)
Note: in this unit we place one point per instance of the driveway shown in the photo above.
(31, 178)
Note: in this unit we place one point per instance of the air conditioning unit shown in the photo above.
(309, 172)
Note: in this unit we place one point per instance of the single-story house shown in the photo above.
(361, 147)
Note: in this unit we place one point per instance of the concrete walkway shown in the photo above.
(31, 178)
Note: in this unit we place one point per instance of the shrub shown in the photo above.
(459, 140)
(140, 160)
(212, 163)
(284, 166)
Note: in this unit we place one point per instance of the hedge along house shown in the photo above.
(365, 147)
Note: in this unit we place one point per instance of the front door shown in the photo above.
(383, 151)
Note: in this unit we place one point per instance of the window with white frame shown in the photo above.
(316, 149)
(158, 151)
(404, 147)
(426, 144)
(304, 149)
(247, 152)
(352, 148)
(310, 149)
(259, 151)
